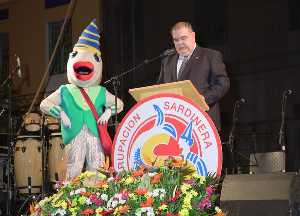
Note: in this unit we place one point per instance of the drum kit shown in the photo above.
(39, 156)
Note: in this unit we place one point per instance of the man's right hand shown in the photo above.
(65, 119)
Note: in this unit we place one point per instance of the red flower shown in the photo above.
(117, 179)
(101, 184)
(107, 212)
(155, 179)
(96, 200)
(124, 195)
(69, 203)
(209, 190)
(205, 203)
(139, 172)
(141, 191)
(86, 194)
(123, 209)
(171, 214)
(111, 170)
(147, 203)
(75, 180)
(87, 211)
(174, 198)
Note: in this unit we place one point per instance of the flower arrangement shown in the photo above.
(171, 190)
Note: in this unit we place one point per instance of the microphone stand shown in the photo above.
(44, 155)
(231, 137)
(115, 80)
(281, 139)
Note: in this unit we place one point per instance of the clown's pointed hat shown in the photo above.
(89, 39)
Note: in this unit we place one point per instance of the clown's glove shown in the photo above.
(65, 119)
(105, 116)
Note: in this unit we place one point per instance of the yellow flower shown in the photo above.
(187, 202)
(73, 211)
(184, 212)
(163, 207)
(104, 186)
(74, 202)
(116, 212)
(56, 197)
(44, 201)
(129, 180)
(87, 174)
(82, 200)
(193, 193)
(132, 196)
(201, 178)
(218, 210)
(101, 176)
(185, 187)
(61, 203)
(98, 211)
(64, 205)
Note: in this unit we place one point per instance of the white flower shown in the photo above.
(110, 179)
(104, 197)
(148, 210)
(88, 201)
(59, 212)
(80, 190)
(114, 203)
(162, 196)
(122, 201)
(155, 193)
(152, 174)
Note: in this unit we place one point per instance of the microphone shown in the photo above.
(2, 111)
(287, 92)
(19, 73)
(168, 52)
(241, 100)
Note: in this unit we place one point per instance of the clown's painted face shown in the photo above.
(84, 68)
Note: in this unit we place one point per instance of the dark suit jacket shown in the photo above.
(206, 70)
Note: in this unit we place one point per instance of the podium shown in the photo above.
(169, 120)
(183, 88)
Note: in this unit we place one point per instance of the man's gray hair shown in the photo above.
(181, 24)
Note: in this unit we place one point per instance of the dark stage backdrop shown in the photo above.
(261, 48)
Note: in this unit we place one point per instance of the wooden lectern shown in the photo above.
(184, 88)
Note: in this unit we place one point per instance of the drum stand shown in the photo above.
(8, 82)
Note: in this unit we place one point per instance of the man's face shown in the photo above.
(184, 40)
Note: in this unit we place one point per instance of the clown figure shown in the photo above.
(78, 124)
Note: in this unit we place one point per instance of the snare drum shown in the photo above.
(28, 164)
(57, 158)
(32, 122)
(52, 123)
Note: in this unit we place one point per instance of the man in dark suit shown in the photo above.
(204, 67)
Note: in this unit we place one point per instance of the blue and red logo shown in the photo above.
(167, 125)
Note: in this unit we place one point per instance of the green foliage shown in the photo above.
(170, 190)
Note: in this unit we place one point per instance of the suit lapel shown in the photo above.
(193, 59)
(174, 67)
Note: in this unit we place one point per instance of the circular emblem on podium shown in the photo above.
(163, 126)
